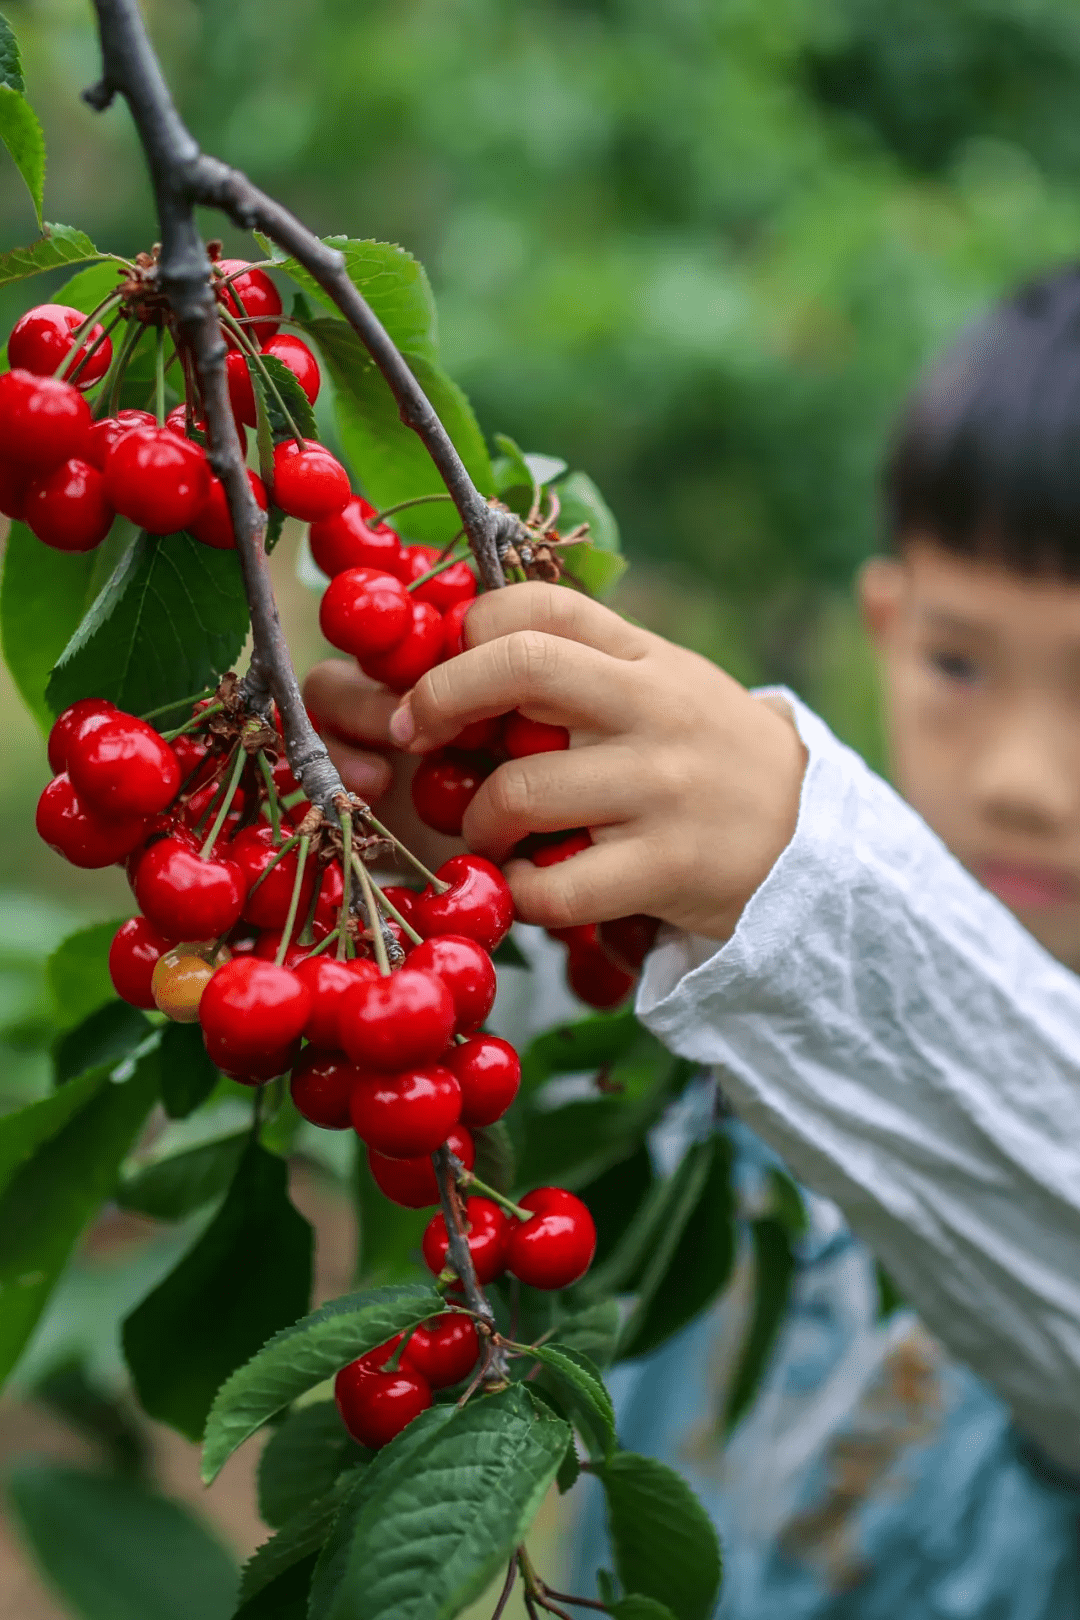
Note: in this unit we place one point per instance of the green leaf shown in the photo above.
(664, 1542)
(890, 1298)
(774, 1274)
(101, 1041)
(87, 288)
(11, 73)
(615, 1197)
(285, 1598)
(171, 620)
(173, 1188)
(393, 283)
(187, 1074)
(43, 596)
(100, 1415)
(302, 1459)
(22, 134)
(693, 1258)
(387, 457)
(297, 1540)
(389, 1236)
(246, 1277)
(569, 1470)
(79, 1138)
(590, 1043)
(574, 1144)
(580, 501)
(59, 245)
(78, 973)
(301, 1356)
(637, 1607)
(509, 954)
(593, 1331)
(428, 1536)
(119, 1551)
(577, 1383)
(296, 401)
(495, 1156)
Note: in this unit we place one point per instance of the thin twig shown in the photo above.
(508, 1587)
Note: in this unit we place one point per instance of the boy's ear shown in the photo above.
(880, 587)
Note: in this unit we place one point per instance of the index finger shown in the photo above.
(556, 611)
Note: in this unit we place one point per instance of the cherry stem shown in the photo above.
(80, 333)
(508, 1587)
(436, 568)
(389, 907)
(273, 804)
(92, 350)
(182, 703)
(401, 506)
(279, 855)
(255, 353)
(403, 849)
(111, 388)
(226, 803)
(159, 376)
(346, 882)
(466, 1178)
(374, 919)
(325, 944)
(294, 901)
(189, 725)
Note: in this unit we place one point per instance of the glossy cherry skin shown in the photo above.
(177, 983)
(454, 629)
(488, 1070)
(241, 390)
(349, 541)
(522, 736)
(214, 524)
(452, 585)
(556, 1246)
(321, 1084)
(43, 338)
(444, 1349)
(15, 484)
(76, 718)
(136, 949)
(397, 1022)
(42, 421)
(254, 1008)
(81, 834)
(104, 434)
(468, 973)
(376, 1406)
(419, 650)
(294, 353)
(309, 483)
(478, 902)
(186, 897)
(252, 294)
(402, 900)
(627, 941)
(488, 1233)
(444, 786)
(329, 980)
(550, 854)
(157, 480)
(411, 1182)
(594, 977)
(267, 906)
(479, 734)
(250, 1071)
(124, 767)
(67, 508)
(406, 1114)
(364, 612)
(267, 945)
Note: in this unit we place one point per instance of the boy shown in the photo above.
(877, 1017)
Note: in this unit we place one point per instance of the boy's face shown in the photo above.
(982, 687)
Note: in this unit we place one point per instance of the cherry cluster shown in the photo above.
(67, 468)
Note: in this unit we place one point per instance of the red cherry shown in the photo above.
(81, 834)
(159, 481)
(250, 1071)
(522, 736)
(284, 780)
(349, 541)
(488, 1070)
(397, 1022)
(42, 421)
(373, 1361)
(241, 391)
(403, 900)
(444, 786)
(478, 902)
(454, 584)
(268, 942)
(76, 719)
(328, 980)
(555, 1247)
(214, 525)
(176, 421)
(419, 650)
(267, 906)
(444, 1349)
(185, 896)
(411, 1182)
(331, 890)
(124, 767)
(43, 338)
(627, 941)
(468, 973)
(251, 293)
(67, 508)
(309, 483)
(135, 951)
(104, 434)
(321, 1085)
(294, 353)
(454, 629)
(488, 1232)
(364, 612)
(593, 977)
(378, 1405)
(406, 1114)
(198, 803)
(550, 854)
(195, 756)
(479, 734)
(15, 483)
(253, 1008)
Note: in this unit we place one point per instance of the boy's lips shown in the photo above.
(1023, 886)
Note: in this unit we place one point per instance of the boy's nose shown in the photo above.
(1028, 776)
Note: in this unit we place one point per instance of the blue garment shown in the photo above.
(873, 1479)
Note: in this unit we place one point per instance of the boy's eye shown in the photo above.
(955, 666)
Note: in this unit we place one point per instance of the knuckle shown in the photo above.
(530, 658)
(510, 793)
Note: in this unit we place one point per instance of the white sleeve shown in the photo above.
(891, 1030)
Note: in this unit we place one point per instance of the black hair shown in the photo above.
(986, 457)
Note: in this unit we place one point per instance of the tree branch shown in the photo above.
(460, 1255)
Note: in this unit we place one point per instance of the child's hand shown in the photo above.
(689, 785)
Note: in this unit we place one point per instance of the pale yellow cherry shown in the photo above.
(180, 978)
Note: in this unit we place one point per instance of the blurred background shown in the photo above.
(699, 249)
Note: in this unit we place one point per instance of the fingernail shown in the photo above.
(402, 726)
